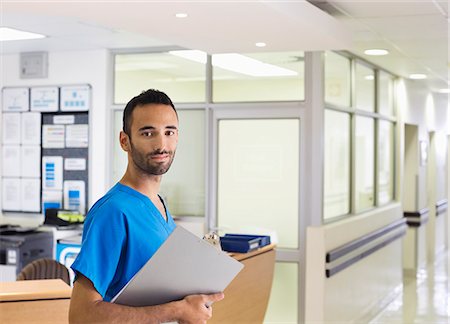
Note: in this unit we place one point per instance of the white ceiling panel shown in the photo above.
(385, 8)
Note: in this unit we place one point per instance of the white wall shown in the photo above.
(76, 67)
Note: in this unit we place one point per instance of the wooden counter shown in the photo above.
(47, 301)
(247, 296)
(34, 301)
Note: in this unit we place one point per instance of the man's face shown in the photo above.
(154, 138)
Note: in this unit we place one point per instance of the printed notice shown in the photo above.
(31, 161)
(30, 195)
(74, 196)
(74, 164)
(31, 128)
(51, 199)
(77, 135)
(75, 98)
(11, 161)
(11, 128)
(16, 99)
(11, 194)
(52, 172)
(44, 99)
(53, 136)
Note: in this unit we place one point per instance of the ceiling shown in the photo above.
(415, 32)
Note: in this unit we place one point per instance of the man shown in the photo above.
(126, 226)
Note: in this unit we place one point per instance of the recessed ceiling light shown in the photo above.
(10, 34)
(260, 44)
(417, 76)
(369, 77)
(376, 52)
(181, 15)
(444, 90)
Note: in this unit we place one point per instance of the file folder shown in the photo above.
(242, 243)
(183, 265)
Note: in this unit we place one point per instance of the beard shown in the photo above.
(145, 164)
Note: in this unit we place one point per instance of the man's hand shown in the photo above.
(197, 308)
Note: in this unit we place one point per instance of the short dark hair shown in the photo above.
(150, 96)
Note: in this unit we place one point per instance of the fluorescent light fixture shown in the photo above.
(376, 52)
(237, 63)
(193, 55)
(444, 90)
(10, 34)
(181, 15)
(417, 76)
(260, 44)
(369, 77)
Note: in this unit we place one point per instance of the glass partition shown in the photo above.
(336, 164)
(337, 79)
(183, 186)
(183, 79)
(283, 302)
(385, 162)
(385, 94)
(258, 177)
(364, 171)
(258, 77)
(364, 88)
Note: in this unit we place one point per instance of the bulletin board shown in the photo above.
(45, 148)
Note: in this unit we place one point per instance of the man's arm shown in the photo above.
(87, 306)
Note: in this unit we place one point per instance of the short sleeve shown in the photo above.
(103, 241)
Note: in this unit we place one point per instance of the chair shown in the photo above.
(44, 269)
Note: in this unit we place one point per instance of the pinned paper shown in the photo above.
(16, 99)
(44, 99)
(77, 136)
(51, 199)
(52, 172)
(30, 161)
(53, 136)
(11, 128)
(74, 195)
(30, 195)
(31, 128)
(11, 161)
(11, 194)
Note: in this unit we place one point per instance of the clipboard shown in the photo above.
(183, 265)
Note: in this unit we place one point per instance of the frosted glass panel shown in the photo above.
(385, 162)
(183, 186)
(283, 302)
(258, 177)
(120, 158)
(364, 87)
(385, 94)
(258, 77)
(182, 79)
(337, 164)
(364, 163)
(337, 79)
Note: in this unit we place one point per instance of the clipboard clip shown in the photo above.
(214, 239)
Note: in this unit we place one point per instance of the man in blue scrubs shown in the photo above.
(126, 226)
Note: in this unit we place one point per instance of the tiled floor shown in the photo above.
(425, 298)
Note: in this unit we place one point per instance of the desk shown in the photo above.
(247, 296)
(34, 301)
(47, 301)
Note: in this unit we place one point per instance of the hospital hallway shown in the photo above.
(425, 297)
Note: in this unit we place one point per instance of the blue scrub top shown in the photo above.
(121, 233)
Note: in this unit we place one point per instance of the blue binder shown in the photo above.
(243, 243)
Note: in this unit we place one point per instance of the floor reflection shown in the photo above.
(425, 297)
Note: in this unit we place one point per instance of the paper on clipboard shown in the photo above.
(182, 266)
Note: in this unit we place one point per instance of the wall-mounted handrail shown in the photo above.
(345, 249)
(441, 207)
(416, 218)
